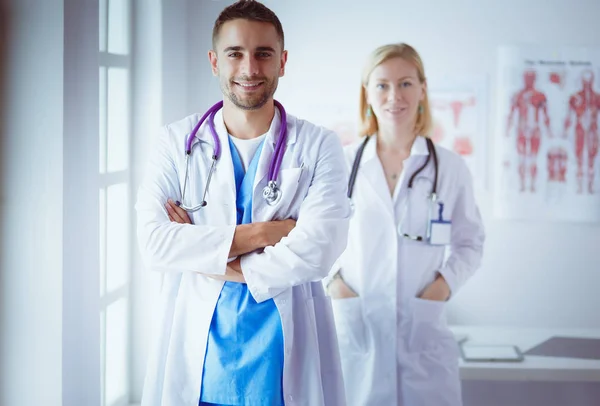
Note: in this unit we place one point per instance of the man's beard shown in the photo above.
(250, 102)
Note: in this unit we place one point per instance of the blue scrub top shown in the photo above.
(244, 353)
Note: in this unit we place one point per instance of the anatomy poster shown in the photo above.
(459, 110)
(546, 148)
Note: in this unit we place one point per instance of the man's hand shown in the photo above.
(438, 290)
(247, 238)
(232, 274)
(253, 236)
(274, 231)
(176, 213)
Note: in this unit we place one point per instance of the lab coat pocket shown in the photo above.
(428, 331)
(349, 324)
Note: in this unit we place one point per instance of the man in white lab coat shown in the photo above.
(244, 319)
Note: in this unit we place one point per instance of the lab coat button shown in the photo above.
(283, 301)
(290, 398)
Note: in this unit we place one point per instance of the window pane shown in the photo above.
(116, 351)
(118, 27)
(118, 119)
(103, 23)
(102, 115)
(102, 241)
(117, 236)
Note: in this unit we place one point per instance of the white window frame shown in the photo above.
(105, 179)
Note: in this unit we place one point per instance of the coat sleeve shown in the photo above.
(320, 236)
(349, 155)
(467, 235)
(171, 247)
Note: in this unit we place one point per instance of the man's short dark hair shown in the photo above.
(251, 10)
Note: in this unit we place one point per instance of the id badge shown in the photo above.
(440, 230)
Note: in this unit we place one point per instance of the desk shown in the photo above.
(538, 380)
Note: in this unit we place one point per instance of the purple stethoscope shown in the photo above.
(271, 193)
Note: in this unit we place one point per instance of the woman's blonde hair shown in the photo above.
(368, 122)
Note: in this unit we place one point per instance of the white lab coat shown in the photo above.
(312, 182)
(396, 349)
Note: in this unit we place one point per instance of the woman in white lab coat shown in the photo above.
(407, 254)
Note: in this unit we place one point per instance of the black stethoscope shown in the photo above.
(432, 195)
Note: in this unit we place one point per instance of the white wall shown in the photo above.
(174, 53)
(32, 208)
(81, 258)
(147, 96)
(49, 345)
(534, 274)
(32, 216)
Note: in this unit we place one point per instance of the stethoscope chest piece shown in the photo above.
(271, 193)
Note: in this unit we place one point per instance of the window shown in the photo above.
(114, 194)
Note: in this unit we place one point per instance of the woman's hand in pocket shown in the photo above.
(438, 290)
(339, 289)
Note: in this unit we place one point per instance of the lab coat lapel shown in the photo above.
(418, 156)
(262, 171)
(371, 171)
(224, 177)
